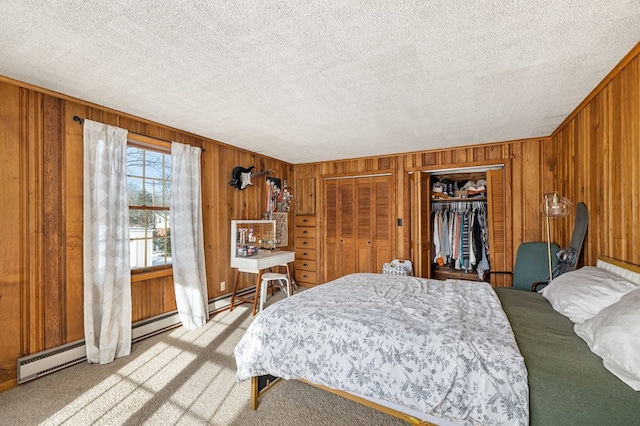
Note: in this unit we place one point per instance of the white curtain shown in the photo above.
(107, 271)
(187, 239)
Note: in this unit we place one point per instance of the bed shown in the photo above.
(442, 352)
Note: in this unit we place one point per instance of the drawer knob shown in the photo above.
(305, 232)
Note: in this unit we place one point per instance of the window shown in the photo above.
(148, 185)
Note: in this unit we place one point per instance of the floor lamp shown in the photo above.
(553, 206)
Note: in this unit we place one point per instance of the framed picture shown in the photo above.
(282, 228)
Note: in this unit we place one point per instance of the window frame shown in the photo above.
(164, 147)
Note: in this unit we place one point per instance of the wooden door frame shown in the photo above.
(505, 164)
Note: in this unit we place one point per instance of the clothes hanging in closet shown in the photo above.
(460, 236)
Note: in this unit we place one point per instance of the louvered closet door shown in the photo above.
(359, 226)
(497, 209)
(420, 223)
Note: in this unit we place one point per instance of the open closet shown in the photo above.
(458, 222)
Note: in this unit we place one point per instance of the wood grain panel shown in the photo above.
(73, 223)
(598, 152)
(54, 237)
(31, 205)
(10, 231)
(498, 226)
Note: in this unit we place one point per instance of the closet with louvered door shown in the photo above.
(358, 233)
(460, 221)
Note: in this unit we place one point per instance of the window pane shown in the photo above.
(161, 251)
(156, 189)
(154, 164)
(140, 237)
(134, 161)
(161, 223)
(138, 219)
(134, 190)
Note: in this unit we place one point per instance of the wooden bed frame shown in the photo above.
(261, 384)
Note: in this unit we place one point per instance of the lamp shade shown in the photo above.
(554, 205)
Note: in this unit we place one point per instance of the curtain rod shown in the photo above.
(80, 121)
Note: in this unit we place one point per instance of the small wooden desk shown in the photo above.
(256, 264)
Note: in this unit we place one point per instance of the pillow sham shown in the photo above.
(614, 335)
(582, 293)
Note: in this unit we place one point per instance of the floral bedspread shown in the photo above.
(444, 348)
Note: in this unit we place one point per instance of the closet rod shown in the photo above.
(80, 120)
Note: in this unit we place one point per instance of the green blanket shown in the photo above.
(568, 383)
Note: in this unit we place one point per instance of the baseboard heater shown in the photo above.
(37, 365)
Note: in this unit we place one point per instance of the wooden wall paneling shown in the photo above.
(593, 168)
(527, 189)
(212, 202)
(54, 210)
(140, 305)
(624, 172)
(576, 172)
(606, 141)
(598, 155)
(168, 295)
(11, 173)
(518, 184)
(402, 210)
(73, 222)
(631, 123)
(32, 321)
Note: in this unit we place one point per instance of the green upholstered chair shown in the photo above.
(532, 265)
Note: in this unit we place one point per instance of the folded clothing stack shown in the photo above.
(461, 189)
(477, 189)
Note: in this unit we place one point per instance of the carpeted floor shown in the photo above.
(180, 377)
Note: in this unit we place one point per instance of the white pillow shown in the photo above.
(583, 293)
(614, 335)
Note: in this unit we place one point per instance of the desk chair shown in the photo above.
(532, 265)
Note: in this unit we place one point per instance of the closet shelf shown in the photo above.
(455, 200)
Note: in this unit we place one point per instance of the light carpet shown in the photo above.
(180, 377)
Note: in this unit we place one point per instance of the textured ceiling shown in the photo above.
(306, 81)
